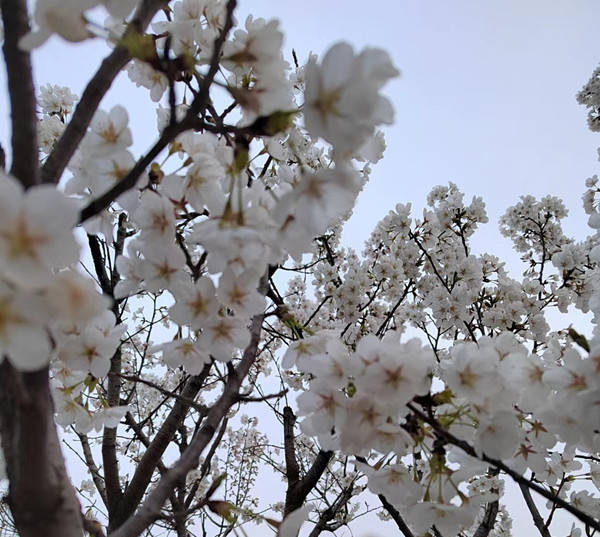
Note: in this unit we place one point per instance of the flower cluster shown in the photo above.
(49, 311)
(362, 390)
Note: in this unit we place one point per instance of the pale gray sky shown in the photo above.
(486, 100)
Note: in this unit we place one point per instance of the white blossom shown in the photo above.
(342, 101)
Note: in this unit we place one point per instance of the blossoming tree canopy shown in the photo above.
(153, 306)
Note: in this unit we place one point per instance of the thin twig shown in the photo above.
(538, 521)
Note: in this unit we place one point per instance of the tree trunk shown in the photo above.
(41, 497)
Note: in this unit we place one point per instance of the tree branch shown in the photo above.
(130, 180)
(170, 394)
(490, 514)
(154, 451)
(489, 519)
(109, 442)
(204, 469)
(92, 95)
(331, 512)
(41, 497)
(138, 430)
(99, 266)
(201, 99)
(297, 494)
(25, 156)
(170, 132)
(521, 480)
(151, 507)
(92, 467)
(538, 521)
(292, 472)
(395, 514)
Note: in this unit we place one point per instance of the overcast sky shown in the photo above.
(486, 99)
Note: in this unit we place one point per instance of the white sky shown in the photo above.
(486, 100)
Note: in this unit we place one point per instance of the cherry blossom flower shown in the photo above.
(195, 303)
(56, 100)
(49, 131)
(342, 103)
(35, 232)
(142, 74)
(202, 186)
(498, 435)
(155, 217)
(72, 297)
(449, 519)
(222, 335)
(185, 352)
(162, 266)
(109, 132)
(293, 521)
(65, 18)
(109, 416)
(92, 348)
(239, 293)
(258, 49)
(22, 336)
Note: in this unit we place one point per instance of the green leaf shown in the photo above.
(224, 509)
(579, 339)
(140, 46)
(274, 123)
(443, 397)
(90, 382)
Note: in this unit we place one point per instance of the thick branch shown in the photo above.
(99, 266)
(92, 95)
(112, 486)
(291, 464)
(489, 519)
(109, 442)
(151, 507)
(119, 244)
(25, 156)
(155, 450)
(178, 519)
(41, 497)
(297, 494)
